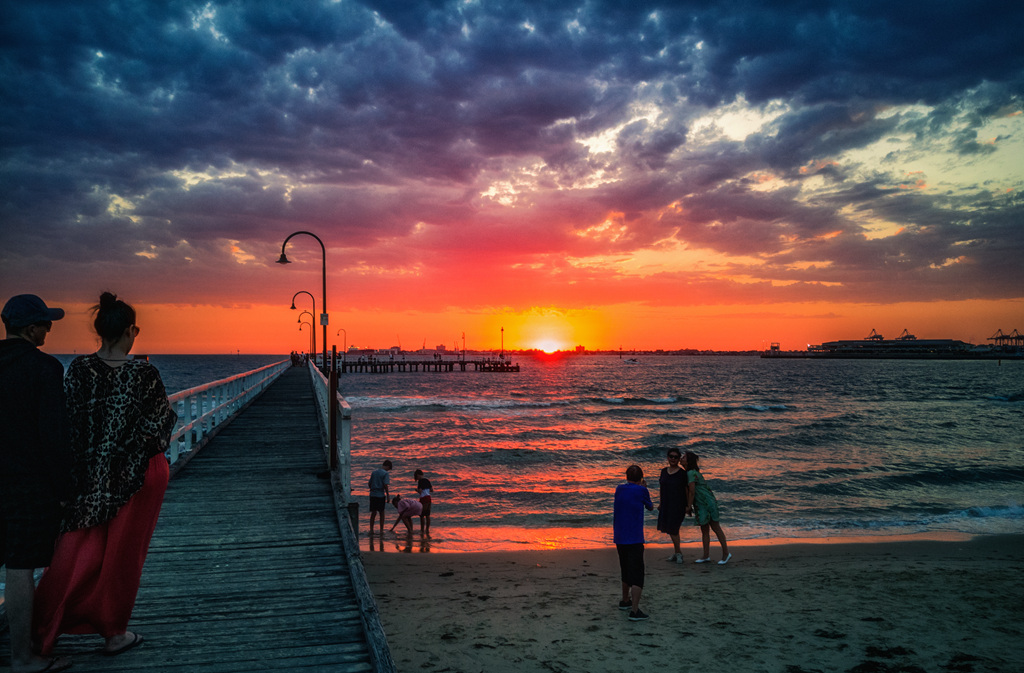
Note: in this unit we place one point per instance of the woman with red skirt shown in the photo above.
(120, 425)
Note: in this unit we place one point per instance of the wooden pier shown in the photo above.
(385, 366)
(248, 570)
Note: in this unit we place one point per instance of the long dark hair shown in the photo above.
(690, 460)
(113, 317)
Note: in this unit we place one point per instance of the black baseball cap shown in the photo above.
(27, 309)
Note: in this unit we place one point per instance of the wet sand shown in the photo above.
(908, 606)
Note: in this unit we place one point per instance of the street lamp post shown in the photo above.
(312, 318)
(323, 297)
(344, 346)
(312, 335)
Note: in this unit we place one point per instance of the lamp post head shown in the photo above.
(293, 306)
(284, 259)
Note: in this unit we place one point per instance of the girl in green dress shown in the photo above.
(701, 503)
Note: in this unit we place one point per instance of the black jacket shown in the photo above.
(35, 454)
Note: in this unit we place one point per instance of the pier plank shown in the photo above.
(247, 570)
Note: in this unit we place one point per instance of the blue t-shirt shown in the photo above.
(628, 515)
(379, 480)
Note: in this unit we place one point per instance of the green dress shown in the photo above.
(705, 507)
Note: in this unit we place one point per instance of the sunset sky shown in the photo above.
(635, 174)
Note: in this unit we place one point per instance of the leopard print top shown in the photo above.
(119, 418)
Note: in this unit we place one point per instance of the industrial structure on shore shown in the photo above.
(907, 346)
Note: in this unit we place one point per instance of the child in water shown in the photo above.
(423, 488)
(407, 509)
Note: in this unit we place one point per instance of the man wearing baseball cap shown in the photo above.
(35, 465)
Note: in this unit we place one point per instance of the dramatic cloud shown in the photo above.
(584, 153)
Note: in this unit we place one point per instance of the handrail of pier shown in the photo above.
(205, 409)
(337, 428)
(340, 444)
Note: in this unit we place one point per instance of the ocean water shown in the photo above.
(181, 372)
(792, 448)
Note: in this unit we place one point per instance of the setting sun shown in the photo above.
(548, 346)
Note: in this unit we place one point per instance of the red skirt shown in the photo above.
(91, 584)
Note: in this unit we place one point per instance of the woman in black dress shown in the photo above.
(672, 505)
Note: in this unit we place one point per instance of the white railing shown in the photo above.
(201, 410)
(339, 435)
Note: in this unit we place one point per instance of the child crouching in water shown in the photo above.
(407, 509)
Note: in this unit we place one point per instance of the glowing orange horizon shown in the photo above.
(173, 329)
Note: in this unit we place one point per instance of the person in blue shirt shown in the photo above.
(631, 499)
(378, 485)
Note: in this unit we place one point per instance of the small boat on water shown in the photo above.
(631, 361)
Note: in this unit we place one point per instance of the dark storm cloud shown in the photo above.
(819, 131)
(875, 50)
(150, 133)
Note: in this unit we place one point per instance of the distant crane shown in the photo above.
(906, 336)
(1014, 338)
(874, 336)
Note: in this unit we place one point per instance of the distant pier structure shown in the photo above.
(372, 365)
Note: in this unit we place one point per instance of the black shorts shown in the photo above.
(631, 563)
(28, 534)
(377, 504)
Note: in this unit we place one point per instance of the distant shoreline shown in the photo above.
(685, 352)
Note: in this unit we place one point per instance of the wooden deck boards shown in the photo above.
(246, 571)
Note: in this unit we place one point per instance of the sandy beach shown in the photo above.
(908, 606)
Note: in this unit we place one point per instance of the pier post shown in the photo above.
(332, 391)
(353, 516)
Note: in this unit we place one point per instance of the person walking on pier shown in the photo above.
(378, 484)
(120, 426)
(35, 466)
(423, 488)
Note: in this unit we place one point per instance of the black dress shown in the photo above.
(672, 501)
